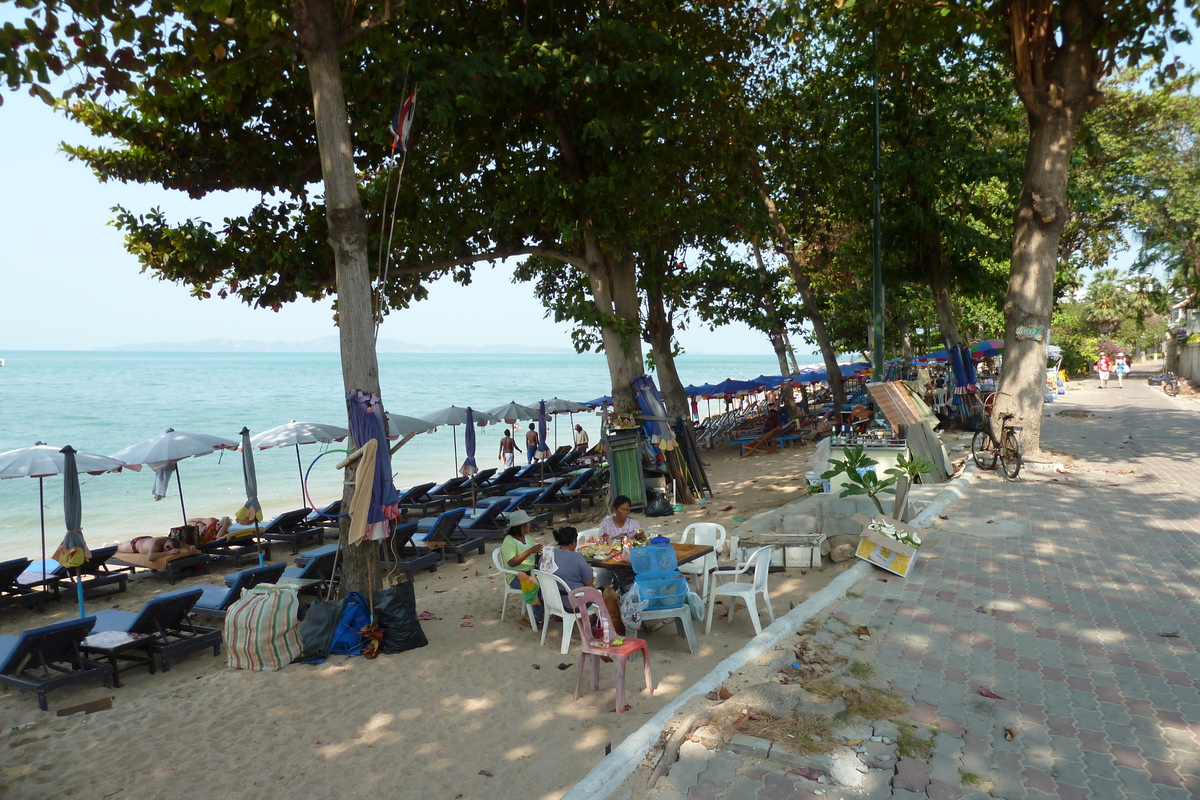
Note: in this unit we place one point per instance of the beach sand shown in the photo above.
(483, 712)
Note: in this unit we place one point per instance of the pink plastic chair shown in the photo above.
(584, 601)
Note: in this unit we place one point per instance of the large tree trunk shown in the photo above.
(1055, 73)
(614, 291)
(317, 24)
(937, 272)
(660, 334)
(811, 310)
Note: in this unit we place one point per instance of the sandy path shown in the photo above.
(429, 723)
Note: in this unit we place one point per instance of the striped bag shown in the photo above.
(262, 629)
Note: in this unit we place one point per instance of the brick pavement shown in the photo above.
(1064, 622)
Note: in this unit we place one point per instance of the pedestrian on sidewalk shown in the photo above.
(1103, 368)
(1122, 369)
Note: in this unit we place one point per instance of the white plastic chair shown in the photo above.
(507, 573)
(760, 561)
(552, 606)
(709, 533)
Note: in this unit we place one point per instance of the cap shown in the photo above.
(518, 517)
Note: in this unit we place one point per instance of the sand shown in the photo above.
(483, 712)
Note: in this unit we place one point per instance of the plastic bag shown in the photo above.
(396, 614)
(631, 609)
(657, 504)
(819, 463)
(696, 604)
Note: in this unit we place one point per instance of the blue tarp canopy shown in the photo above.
(698, 391)
(732, 386)
(599, 401)
(821, 375)
(770, 381)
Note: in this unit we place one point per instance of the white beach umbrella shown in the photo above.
(453, 416)
(294, 434)
(403, 425)
(557, 406)
(43, 461)
(511, 412)
(161, 453)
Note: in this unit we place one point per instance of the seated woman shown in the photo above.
(155, 547)
(564, 562)
(519, 551)
(620, 523)
(211, 528)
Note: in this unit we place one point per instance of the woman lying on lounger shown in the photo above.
(154, 547)
(211, 528)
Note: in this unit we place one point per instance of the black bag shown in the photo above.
(317, 630)
(657, 504)
(396, 615)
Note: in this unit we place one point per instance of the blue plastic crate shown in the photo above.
(659, 593)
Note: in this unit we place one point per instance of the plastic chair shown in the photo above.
(661, 590)
(584, 602)
(709, 533)
(760, 560)
(552, 606)
(506, 575)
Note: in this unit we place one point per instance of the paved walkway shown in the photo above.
(1064, 620)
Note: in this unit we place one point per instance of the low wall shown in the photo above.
(1189, 362)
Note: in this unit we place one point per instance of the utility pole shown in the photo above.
(876, 244)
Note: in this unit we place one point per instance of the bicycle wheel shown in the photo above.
(1170, 387)
(983, 451)
(1010, 454)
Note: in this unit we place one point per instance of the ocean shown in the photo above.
(101, 402)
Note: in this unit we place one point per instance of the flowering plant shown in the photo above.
(892, 532)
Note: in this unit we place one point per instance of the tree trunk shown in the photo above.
(319, 30)
(905, 328)
(836, 387)
(1055, 72)
(614, 291)
(791, 351)
(937, 272)
(660, 334)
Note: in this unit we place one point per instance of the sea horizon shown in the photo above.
(101, 401)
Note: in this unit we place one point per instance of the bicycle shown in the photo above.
(987, 448)
(1170, 384)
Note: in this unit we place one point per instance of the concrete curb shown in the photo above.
(607, 776)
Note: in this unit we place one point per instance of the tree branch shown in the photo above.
(367, 25)
(494, 255)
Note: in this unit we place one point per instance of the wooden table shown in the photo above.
(683, 553)
(120, 645)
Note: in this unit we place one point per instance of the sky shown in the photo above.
(66, 282)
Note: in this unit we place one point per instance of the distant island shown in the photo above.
(327, 344)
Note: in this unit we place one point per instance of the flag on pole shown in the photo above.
(403, 122)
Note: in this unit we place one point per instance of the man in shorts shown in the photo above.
(508, 449)
(531, 443)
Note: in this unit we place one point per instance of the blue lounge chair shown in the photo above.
(293, 527)
(93, 573)
(416, 498)
(582, 486)
(166, 620)
(398, 553)
(317, 566)
(552, 499)
(446, 535)
(503, 481)
(46, 658)
(12, 592)
(215, 601)
(308, 555)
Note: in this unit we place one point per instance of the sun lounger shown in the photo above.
(584, 485)
(173, 565)
(487, 518)
(166, 623)
(291, 527)
(215, 600)
(501, 482)
(240, 542)
(93, 573)
(11, 590)
(325, 518)
(451, 492)
(552, 499)
(47, 658)
(398, 553)
(447, 536)
(416, 498)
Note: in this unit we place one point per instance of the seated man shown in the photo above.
(155, 547)
(860, 418)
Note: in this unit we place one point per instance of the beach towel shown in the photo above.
(262, 629)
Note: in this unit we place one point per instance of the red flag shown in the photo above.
(402, 123)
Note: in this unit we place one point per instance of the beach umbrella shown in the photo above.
(42, 461)
(512, 412)
(599, 402)
(469, 465)
(74, 550)
(986, 348)
(402, 425)
(163, 452)
(454, 415)
(294, 434)
(556, 406)
(252, 510)
(542, 449)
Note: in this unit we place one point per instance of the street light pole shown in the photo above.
(877, 262)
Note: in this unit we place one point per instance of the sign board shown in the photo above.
(1033, 332)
